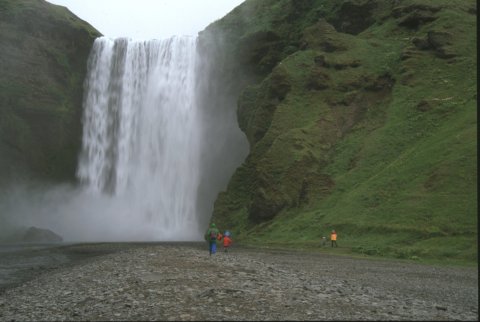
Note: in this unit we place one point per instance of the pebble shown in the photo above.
(181, 282)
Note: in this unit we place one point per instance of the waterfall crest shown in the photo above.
(141, 135)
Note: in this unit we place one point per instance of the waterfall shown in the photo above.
(160, 142)
(141, 133)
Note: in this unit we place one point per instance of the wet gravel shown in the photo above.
(182, 282)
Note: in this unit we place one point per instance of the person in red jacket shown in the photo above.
(227, 241)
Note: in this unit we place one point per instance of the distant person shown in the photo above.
(324, 241)
(227, 241)
(333, 238)
(211, 236)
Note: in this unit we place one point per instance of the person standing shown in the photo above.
(324, 241)
(211, 237)
(333, 238)
(227, 241)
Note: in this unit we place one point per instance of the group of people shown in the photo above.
(213, 235)
(333, 239)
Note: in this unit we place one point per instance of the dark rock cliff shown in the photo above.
(360, 115)
(340, 102)
(43, 57)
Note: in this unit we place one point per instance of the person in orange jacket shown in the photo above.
(227, 241)
(333, 238)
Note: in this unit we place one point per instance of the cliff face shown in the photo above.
(44, 50)
(360, 115)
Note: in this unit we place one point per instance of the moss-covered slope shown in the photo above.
(361, 116)
(43, 55)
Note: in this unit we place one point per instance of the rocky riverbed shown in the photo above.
(182, 282)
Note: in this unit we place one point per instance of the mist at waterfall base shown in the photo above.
(146, 149)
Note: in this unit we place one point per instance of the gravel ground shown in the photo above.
(182, 282)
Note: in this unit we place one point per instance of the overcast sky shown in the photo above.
(149, 19)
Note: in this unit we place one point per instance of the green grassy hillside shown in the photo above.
(44, 50)
(361, 117)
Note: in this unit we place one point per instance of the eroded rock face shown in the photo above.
(44, 50)
(416, 15)
(439, 42)
(39, 235)
(355, 16)
(323, 79)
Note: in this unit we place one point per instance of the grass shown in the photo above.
(401, 161)
(362, 132)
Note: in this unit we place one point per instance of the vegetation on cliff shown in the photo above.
(44, 50)
(361, 117)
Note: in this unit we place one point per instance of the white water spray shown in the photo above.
(141, 131)
(159, 144)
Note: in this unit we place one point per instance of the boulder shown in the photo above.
(39, 235)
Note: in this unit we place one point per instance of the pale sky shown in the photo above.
(149, 19)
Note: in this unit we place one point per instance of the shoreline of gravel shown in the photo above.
(180, 281)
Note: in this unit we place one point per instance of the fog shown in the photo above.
(153, 163)
(160, 138)
(79, 215)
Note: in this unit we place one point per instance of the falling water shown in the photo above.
(160, 141)
(140, 136)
